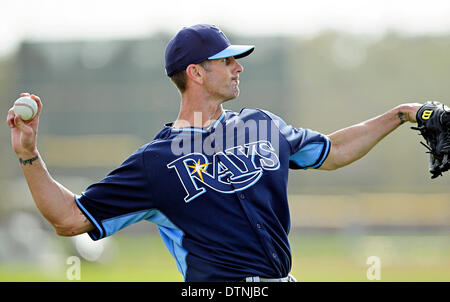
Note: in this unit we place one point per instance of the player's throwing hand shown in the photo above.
(24, 133)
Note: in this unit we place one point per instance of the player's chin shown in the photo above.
(228, 99)
(231, 96)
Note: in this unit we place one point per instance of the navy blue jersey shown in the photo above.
(218, 195)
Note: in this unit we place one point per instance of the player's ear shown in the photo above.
(196, 73)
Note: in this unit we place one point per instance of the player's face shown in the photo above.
(222, 78)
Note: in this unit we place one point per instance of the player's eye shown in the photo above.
(227, 61)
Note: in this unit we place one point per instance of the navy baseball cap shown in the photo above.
(198, 43)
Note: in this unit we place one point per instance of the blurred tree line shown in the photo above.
(117, 91)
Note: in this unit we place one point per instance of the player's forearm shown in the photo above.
(352, 143)
(54, 201)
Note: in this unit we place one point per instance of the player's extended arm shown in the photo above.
(54, 201)
(352, 143)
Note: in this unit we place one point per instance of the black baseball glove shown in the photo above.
(433, 120)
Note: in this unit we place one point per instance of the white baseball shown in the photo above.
(26, 107)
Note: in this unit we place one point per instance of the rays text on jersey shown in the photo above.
(229, 171)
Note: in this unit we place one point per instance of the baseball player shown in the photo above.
(214, 181)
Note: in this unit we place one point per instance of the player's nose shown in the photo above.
(241, 68)
(238, 67)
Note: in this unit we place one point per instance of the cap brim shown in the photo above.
(236, 51)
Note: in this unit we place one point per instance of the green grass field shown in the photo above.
(316, 258)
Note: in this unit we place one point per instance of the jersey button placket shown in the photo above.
(265, 237)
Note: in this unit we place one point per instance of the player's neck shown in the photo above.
(198, 113)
